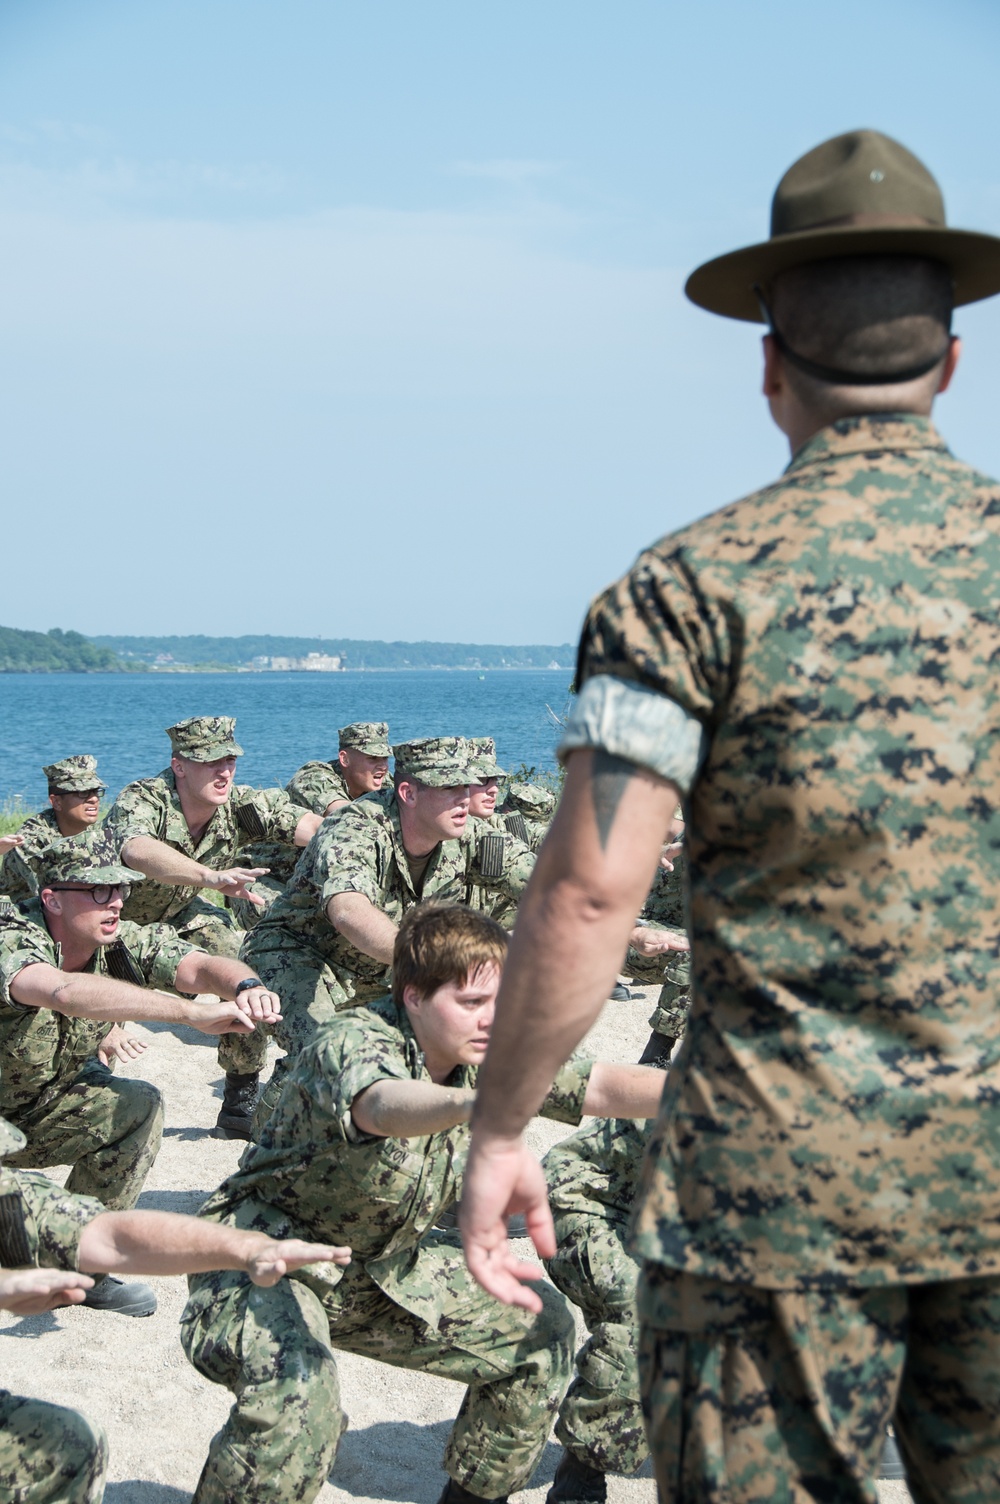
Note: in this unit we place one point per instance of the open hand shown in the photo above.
(501, 1178)
(29, 1292)
(117, 1045)
(285, 1254)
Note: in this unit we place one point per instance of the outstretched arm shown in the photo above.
(29, 1292)
(592, 877)
(165, 865)
(167, 1243)
(365, 926)
(82, 994)
(401, 1109)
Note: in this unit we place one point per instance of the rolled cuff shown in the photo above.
(639, 724)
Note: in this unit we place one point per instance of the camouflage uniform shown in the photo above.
(487, 900)
(407, 1298)
(315, 787)
(527, 811)
(814, 667)
(52, 1086)
(664, 910)
(73, 775)
(17, 874)
(48, 1454)
(592, 1179)
(152, 807)
(314, 969)
(318, 784)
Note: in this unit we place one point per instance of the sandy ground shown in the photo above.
(132, 1377)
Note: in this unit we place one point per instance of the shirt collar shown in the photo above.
(867, 434)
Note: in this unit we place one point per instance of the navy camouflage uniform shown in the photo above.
(406, 1299)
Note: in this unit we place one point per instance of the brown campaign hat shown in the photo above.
(860, 194)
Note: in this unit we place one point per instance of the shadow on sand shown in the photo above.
(400, 1462)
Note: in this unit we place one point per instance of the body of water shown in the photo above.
(283, 720)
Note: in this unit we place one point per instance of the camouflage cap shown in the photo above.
(204, 738)
(73, 775)
(533, 801)
(12, 1140)
(441, 762)
(370, 737)
(484, 754)
(90, 858)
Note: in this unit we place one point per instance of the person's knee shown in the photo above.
(57, 1455)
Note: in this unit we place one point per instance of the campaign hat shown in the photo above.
(90, 858)
(73, 775)
(438, 761)
(205, 738)
(484, 753)
(370, 737)
(859, 194)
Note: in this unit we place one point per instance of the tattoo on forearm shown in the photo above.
(609, 775)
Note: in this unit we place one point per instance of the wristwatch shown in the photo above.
(246, 984)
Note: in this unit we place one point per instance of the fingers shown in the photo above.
(259, 1003)
(501, 1274)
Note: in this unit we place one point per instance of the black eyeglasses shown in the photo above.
(101, 895)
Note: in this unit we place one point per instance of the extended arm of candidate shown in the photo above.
(591, 878)
(79, 994)
(366, 927)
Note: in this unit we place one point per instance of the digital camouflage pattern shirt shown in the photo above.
(316, 785)
(17, 874)
(151, 807)
(359, 849)
(41, 1224)
(834, 1114)
(315, 1175)
(41, 1050)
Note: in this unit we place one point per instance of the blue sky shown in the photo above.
(368, 320)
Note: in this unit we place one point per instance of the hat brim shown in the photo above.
(78, 788)
(725, 285)
(489, 770)
(370, 749)
(109, 876)
(224, 749)
(440, 778)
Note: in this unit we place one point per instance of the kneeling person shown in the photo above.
(593, 1177)
(55, 1453)
(71, 970)
(369, 1135)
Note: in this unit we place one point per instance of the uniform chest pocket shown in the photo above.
(35, 1042)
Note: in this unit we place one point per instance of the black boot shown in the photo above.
(109, 1293)
(238, 1103)
(619, 993)
(658, 1051)
(454, 1493)
(576, 1482)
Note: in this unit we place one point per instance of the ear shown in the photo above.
(52, 800)
(406, 793)
(51, 901)
(411, 997)
(177, 767)
(342, 758)
(774, 370)
(951, 361)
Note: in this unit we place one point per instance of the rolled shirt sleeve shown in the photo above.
(639, 724)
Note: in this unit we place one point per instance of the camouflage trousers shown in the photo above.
(600, 1420)
(310, 994)
(274, 1349)
(280, 861)
(754, 1395)
(49, 1455)
(673, 971)
(108, 1128)
(214, 930)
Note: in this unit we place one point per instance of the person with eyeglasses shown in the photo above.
(71, 970)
